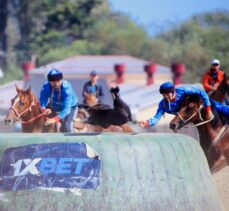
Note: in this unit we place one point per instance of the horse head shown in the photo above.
(224, 86)
(20, 105)
(91, 99)
(226, 80)
(220, 93)
(190, 111)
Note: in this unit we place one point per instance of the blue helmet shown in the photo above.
(54, 75)
(167, 87)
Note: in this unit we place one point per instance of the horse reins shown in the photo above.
(194, 114)
(217, 138)
(18, 115)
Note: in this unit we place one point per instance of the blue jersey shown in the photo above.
(221, 108)
(59, 100)
(174, 106)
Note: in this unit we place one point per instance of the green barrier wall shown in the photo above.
(139, 172)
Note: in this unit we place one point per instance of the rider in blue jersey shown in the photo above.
(172, 99)
(57, 95)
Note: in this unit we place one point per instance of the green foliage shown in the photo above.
(119, 35)
(54, 30)
(12, 73)
(195, 43)
(76, 48)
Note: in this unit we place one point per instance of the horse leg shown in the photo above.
(126, 128)
(53, 128)
(115, 129)
(59, 127)
(97, 128)
(219, 164)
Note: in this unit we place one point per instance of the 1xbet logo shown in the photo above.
(44, 166)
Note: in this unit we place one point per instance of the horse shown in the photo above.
(91, 99)
(81, 126)
(104, 116)
(213, 134)
(222, 91)
(25, 108)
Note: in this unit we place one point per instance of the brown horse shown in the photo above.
(91, 99)
(222, 91)
(25, 108)
(81, 125)
(213, 135)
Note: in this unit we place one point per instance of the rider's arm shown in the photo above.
(160, 111)
(201, 93)
(67, 99)
(222, 108)
(44, 95)
(206, 85)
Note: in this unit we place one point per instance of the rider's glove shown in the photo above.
(209, 114)
(144, 124)
(46, 111)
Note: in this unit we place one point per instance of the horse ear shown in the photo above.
(17, 88)
(29, 90)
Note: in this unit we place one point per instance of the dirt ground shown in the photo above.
(222, 185)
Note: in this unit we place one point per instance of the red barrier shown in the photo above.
(150, 69)
(120, 69)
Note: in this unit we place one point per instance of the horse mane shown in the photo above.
(224, 85)
(33, 96)
(191, 98)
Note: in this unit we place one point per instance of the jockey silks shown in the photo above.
(61, 100)
(172, 107)
(209, 79)
(221, 108)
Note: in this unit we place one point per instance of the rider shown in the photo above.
(93, 87)
(213, 78)
(172, 99)
(57, 95)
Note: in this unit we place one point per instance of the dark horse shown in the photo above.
(81, 126)
(25, 107)
(221, 92)
(105, 116)
(213, 135)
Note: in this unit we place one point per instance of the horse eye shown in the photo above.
(191, 105)
(21, 103)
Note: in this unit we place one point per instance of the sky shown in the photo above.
(157, 15)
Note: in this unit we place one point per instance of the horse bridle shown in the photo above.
(18, 115)
(198, 110)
